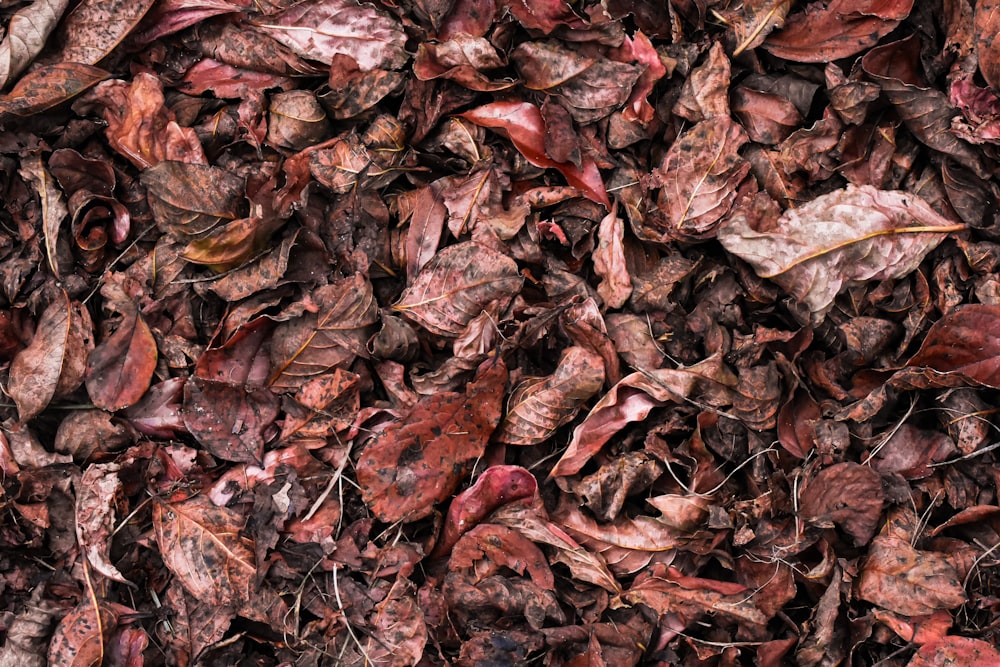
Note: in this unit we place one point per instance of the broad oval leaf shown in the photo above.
(965, 341)
(120, 369)
(904, 580)
(321, 29)
(987, 25)
(50, 86)
(191, 199)
(95, 27)
(838, 240)
(538, 407)
(229, 420)
(419, 459)
(331, 337)
(456, 285)
(202, 546)
(54, 364)
(826, 31)
(700, 177)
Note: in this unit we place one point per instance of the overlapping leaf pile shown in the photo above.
(479, 332)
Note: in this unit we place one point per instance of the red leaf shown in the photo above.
(965, 342)
(229, 420)
(963, 651)
(120, 369)
(907, 581)
(419, 459)
(522, 122)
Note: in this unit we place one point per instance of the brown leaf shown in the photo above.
(340, 319)
(320, 29)
(120, 369)
(754, 21)
(27, 31)
(846, 494)
(987, 23)
(609, 261)
(49, 86)
(902, 579)
(229, 420)
(95, 27)
(827, 31)
(456, 285)
(956, 651)
(399, 633)
(699, 177)
(82, 638)
(539, 406)
(53, 205)
(28, 635)
(202, 546)
(420, 459)
(963, 342)
(190, 199)
(54, 364)
(634, 397)
(96, 504)
(837, 240)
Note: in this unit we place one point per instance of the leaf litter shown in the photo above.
(481, 332)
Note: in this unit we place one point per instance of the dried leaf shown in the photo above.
(827, 31)
(49, 86)
(95, 27)
(699, 178)
(54, 364)
(902, 579)
(203, 547)
(848, 495)
(332, 335)
(321, 29)
(229, 420)
(987, 23)
(754, 21)
(537, 407)
(609, 261)
(120, 369)
(97, 497)
(956, 651)
(838, 240)
(82, 637)
(54, 210)
(190, 199)
(28, 634)
(420, 459)
(456, 285)
(27, 32)
(963, 342)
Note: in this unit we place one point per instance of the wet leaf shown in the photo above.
(456, 285)
(420, 459)
(838, 240)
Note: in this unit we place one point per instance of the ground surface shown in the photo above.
(496, 333)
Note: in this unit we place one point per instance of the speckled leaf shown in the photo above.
(96, 504)
(203, 547)
(419, 459)
(49, 86)
(190, 199)
(27, 31)
(80, 638)
(229, 420)
(95, 27)
(120, 369)
(456, 285)
(837, 240)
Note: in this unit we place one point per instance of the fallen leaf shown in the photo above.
(456, 285)
(120, 368)
(50, 86)
(962, 342)
(27, 31)
(838, 240)
(95, 27)
(97, 497)
(845, 494)
(956, 651)
(418, 460)
(907, 581)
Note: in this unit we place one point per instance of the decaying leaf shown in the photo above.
(96, 508)
(902, 579)
(965, 343)
(419, 460)
(456, 285)
(26, 33)
(837, 240)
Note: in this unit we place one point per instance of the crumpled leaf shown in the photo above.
(699, 178)
(954, 650)
(907, 581)
(634, 397)
(419, 459)
(399, 633)
(321, 29)
(964, 342)
(335, 329)
(190, 199)
(96, 505)
(82, 638)
(456, 285)
(229, 420)
(846, 494)
(53, 205)
(838, 240)
(203, 546)
(537, 407)
(27, 32)
(28, 634)
(827, 31)
(55, 362)
(753, 21)
(609, 261)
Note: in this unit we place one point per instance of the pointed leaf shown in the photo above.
(50, 86)
(964, 342)
(837, 240)
(229, 420)
(120, 369)
(96, 504)
(95, 27)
